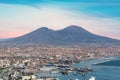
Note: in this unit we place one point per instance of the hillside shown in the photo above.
(71, 35)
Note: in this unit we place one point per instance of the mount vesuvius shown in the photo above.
(71, 35)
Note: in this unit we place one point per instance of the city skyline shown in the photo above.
(97, 16)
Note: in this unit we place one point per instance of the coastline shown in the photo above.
(108, 61)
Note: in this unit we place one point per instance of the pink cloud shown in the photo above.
(12, 34)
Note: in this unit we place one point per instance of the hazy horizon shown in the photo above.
(97, 16)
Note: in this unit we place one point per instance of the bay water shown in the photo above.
(100, 72)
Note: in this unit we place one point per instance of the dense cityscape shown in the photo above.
(36, 58)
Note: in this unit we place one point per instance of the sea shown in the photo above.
(101, 72)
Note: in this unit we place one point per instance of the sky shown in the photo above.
(18, 17)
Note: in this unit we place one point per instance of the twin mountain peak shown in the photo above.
(71, 35)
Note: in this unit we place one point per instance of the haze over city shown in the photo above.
(18, 17)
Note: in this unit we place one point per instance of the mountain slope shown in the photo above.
(71, 35)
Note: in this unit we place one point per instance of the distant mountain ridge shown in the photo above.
(3, 39)
(71, 35)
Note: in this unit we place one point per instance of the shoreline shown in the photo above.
(109, 61)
